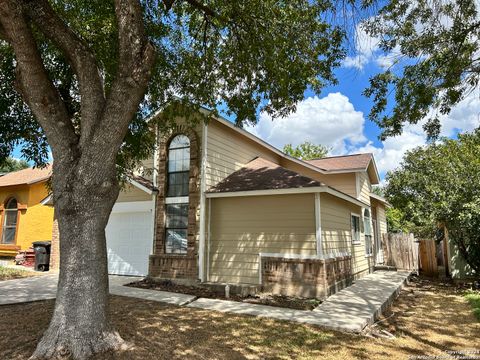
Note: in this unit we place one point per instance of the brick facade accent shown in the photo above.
(164, 265)
(309, 278)
(55, 249)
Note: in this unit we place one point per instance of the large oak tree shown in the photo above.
(82, 76)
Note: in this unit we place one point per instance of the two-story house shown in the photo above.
(217, 204)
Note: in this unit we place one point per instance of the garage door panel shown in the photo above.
(129, 243)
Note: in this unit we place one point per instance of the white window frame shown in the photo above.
(367, 254)
(174, 200)
(359, 241)
(6, 213)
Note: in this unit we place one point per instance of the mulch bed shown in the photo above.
(206, 292)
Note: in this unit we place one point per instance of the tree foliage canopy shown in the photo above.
(439, 184)
(11, 164)
(306, 151)
(437, 63)
(249, 55)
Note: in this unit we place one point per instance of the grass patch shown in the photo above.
(473, 298)
(7, 273)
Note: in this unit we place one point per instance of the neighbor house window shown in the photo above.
(355, 229)
(10, 220)
(176, 209)
(368, 232)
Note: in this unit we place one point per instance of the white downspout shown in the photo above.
(318, 226)
(201, 244)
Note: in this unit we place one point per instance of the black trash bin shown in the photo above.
(42, 255)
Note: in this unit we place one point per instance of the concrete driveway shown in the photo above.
(44, 287)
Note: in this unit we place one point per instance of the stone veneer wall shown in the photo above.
(164, 265)
(309, 278)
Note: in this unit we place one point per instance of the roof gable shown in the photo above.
(345, 162)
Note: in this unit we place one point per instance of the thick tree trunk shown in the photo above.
(80, 325)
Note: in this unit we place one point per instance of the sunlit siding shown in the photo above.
(364, 187)
(228, 151)
(336, 231)
(243, 227)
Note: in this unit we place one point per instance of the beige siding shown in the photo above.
(336, 231)
(364, 187)
(131, 193)
(228, 151)
(344, 182)
(381, 219)
(243, 227)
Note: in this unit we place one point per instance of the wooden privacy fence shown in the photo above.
(428, 257)
(400, 250)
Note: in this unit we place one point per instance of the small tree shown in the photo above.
(439, 184)
(11, 164)
(306, 151)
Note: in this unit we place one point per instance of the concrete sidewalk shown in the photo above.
(351, 309)
(44, 287)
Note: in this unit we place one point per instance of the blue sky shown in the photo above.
(338, 116)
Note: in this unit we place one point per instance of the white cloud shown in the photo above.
(331, 121)
(464, 117)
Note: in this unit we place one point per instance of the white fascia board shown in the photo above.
(140, 186)
(305, 190)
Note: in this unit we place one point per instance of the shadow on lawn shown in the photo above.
(425, 324)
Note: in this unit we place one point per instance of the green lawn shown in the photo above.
(473, 298)
(9, 273)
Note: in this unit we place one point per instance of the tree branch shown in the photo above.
(33, 83)
(79, 56)
(206, 10)
(136, 59)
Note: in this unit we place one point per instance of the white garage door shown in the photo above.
(129, 242)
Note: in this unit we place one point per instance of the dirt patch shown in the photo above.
(206, 292)
(426, 322)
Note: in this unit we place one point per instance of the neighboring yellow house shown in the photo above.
(23, 218)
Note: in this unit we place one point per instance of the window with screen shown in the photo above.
(10, 220)
(355, 229)
(368, 232)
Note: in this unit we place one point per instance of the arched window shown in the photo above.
(10, 219)
(176, 208)
(178, 166)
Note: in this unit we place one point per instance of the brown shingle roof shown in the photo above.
(345, 162)
(261, 174)
(26, 176)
